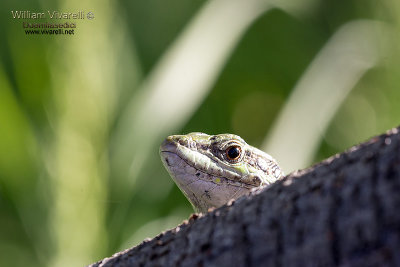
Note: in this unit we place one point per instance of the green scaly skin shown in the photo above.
(210, 170)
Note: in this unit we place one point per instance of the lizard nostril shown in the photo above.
(167, 161)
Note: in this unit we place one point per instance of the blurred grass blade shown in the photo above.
(85, 98)
(19, 159)
(337, 68)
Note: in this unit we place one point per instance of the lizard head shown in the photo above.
(212, 169)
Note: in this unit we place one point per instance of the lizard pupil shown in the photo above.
(233, 152)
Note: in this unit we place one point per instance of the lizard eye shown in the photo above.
(233, 152)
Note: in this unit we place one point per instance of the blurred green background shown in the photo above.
(82, 116)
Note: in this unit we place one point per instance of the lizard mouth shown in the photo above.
(171, 149)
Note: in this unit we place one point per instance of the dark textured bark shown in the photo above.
(344, 211)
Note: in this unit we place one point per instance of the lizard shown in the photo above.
(211, 170)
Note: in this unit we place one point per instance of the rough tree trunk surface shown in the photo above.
(344, 211)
